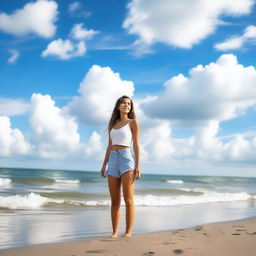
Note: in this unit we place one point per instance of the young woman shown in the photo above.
(122, 169)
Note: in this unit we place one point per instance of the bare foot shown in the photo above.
(127, 235)
(114, 235)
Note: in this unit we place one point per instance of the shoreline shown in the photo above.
(218, 238)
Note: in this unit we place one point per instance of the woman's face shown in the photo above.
(125, 106)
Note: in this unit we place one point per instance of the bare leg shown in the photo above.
(114, 185)
(128, 192)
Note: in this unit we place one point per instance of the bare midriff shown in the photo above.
(117, 147)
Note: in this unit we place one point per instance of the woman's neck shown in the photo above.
(124, 118)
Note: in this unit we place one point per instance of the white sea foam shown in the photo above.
(197, 190)
(31, 200)
(68, 181)
(175, 181)
(5, 181)
(34, 200)
(152, 200)
(97, 203)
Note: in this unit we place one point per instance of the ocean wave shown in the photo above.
(5, 181)
(71, 194)
(152, 200)
(195, 190)
(43, 180)
(35, 201)
(175, 181)
(67, 181)
(169, 191)
(31, 200)
(39, 180)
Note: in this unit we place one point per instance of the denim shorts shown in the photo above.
(119, 162)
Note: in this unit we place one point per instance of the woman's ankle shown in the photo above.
(114, 234)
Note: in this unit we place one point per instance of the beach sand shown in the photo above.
(236, 238)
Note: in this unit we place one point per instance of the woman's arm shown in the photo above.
(103, 169)
(135, 128)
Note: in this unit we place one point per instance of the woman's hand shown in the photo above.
(137, 173)
(103, 171)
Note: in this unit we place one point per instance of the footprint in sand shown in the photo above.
(178, 251)
(253, 233)
(198, 228)
(167, 243)
(96, 251)
(109, 240)
(148, 253)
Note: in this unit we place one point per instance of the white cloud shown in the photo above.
(80, 33)
(94, 146)
(35, 17)
(218, 91)
(99, 90)
(241, 149)
(207, 146)
(64, 49)
(178, 23)
(11, 107)
(12, 141)
(156, 142)
(14, 56)
(238, 41)
(213, 93)
(75, 9)
(55, 133)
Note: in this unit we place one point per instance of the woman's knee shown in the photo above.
(116, 203)
(129, 200)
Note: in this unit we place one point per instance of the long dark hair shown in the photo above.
(116, 113)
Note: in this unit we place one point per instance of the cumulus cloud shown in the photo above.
(237, 42)
(55, 133)
(14, 56)
(178, 23)
(67, 49)
(12, 141)
(157, 143)
(80, 33)
(11, 107)
(94, 146)
(99, 90)
(207, 146)
(35, 17)
(64, 49)
(220, 91)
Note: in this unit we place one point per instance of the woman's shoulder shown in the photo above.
(134, 123)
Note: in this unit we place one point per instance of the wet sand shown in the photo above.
(236, 238)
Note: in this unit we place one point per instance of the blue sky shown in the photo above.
(189, 67)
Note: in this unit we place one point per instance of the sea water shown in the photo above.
(47, 206)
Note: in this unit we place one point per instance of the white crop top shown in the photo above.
(121, 136)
